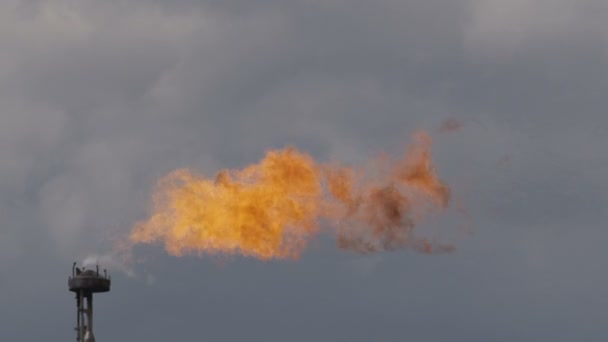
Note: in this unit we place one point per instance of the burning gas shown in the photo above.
(273, 208)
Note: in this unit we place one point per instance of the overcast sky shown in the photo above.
(99, 99)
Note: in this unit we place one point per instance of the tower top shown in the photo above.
(84, 283)
(90, 281)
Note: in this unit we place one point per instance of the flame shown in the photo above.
(270, 210)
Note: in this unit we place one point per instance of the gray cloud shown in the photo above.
(101, 99)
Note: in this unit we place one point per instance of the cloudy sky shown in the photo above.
(99, 99)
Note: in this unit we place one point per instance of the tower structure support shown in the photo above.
(84, 283)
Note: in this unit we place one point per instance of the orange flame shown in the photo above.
(272, 209)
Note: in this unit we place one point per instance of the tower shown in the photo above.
(84, 283)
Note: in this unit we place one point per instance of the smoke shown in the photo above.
(450, 125)
(273, 208)
(113, 261)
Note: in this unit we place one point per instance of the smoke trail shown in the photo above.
(112, 261)
(450, 125)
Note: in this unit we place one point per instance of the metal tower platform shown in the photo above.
(84, 283)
